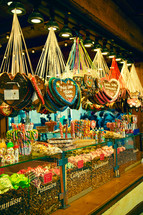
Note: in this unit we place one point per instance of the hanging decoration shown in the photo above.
(15, 87)
(100, 65)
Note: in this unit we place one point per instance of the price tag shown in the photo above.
(101, 157)
(80, 164)
(1, 171)
(47, 178)
(11, 94)
(118, 150)
(93, 124)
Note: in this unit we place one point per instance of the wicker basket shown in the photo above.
(42, 129)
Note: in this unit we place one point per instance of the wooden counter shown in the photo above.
(102, 198)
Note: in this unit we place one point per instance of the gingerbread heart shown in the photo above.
(65, 90)
(110, 88)
(14, 89)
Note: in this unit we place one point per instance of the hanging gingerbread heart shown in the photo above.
(14, 89)
(78, 80)
(5, 109)
(39, 88)
(110, 88)
(65, 90)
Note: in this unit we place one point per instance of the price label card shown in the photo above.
(80, 164)
(11, 94)
(93, 124)
(1, 171)
(118, 150)
(101, 157)
(47, 178)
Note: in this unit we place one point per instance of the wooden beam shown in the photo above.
(108, 15)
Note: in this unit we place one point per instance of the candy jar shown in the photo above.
(2, 148)
(10, 157)
(16, 153)
(10, 149)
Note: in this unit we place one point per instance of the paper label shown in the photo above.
(101, 157)
(47, 178)
(80, 164)
(11, 94)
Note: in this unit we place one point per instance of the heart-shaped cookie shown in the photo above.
(39, 88)
(14, 90)
(5, 109)
(51, 100)
(110, 88)
(65, 90)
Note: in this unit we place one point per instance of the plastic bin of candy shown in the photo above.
(102, 166)
(78, 175)
(44, 187)
(14, 190)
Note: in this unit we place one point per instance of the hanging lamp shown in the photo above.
(35, 17)
(17, 7)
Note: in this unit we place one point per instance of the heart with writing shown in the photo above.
(65, 90)
(110, 89)
(15, 89)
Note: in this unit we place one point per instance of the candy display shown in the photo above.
(44, 188)
(86, 167)
(13, 194)
(44, 149)
(23, 136)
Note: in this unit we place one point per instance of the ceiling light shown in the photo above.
(105, 51)
(66, 44)
(35, 18)
(53, 24)
(9, 3)
(88, 42)
(96, 47)
(129, 62)
(7, 37)
(119, 57)
(17, 7)
(33, 51)
(112, 54)
(65, 32)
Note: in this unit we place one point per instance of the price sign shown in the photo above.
(93, 124)
(101, 157)
(47, 178)
(118, 150)
(80, 164)
(1, 171)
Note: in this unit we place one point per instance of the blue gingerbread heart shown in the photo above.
(65, 90)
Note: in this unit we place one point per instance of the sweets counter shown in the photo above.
(30, 187)
(93, 165)
(41, 185)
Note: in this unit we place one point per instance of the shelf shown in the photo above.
(24, 159)
(28, 158)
